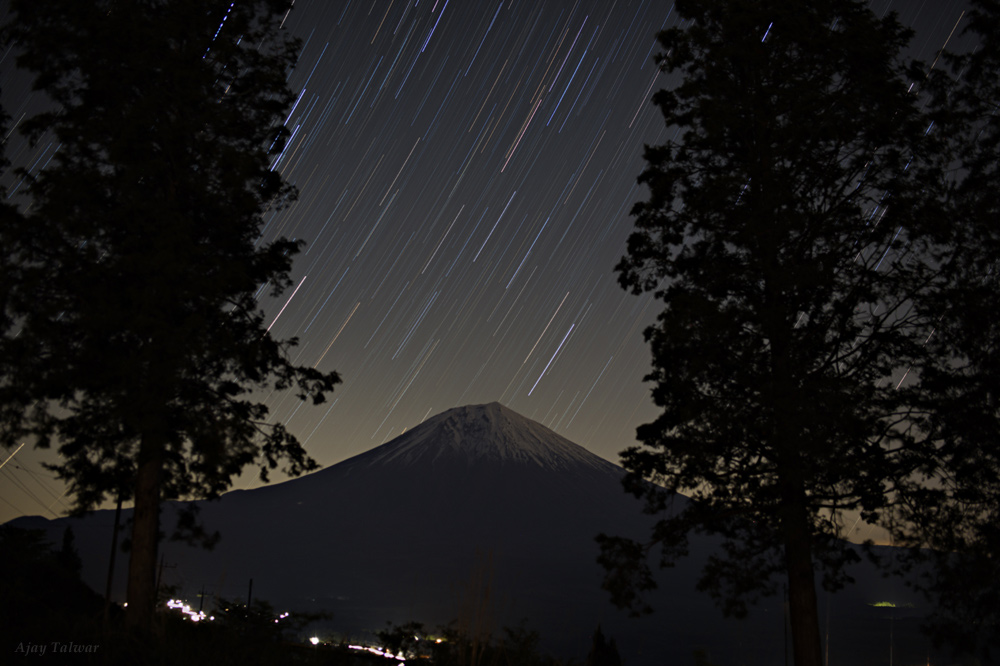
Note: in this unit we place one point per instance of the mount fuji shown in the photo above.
(476, 511)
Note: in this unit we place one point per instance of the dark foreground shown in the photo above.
(48, 613)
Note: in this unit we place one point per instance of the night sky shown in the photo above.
(465, 171)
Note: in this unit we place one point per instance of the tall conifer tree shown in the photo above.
(780, 236)
(948, 513)
(136, 340)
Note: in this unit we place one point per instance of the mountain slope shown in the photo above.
(485, 434)
(476, 501)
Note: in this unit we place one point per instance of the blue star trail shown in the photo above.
(465, 171)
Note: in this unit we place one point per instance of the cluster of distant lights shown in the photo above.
(199, 616)
(382, 652)
(374, 650)
(187, 611)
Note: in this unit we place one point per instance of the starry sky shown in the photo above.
(465, 172)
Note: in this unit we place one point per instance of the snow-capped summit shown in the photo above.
(475, 504)
(485, 434)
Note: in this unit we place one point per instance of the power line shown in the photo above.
(20, 484)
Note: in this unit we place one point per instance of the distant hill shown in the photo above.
(480, 514)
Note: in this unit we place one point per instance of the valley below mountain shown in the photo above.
(481, 516)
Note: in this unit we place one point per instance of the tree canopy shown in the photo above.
(800, 238)
(948, 512)
(135, 339)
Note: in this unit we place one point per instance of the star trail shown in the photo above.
(465, 172)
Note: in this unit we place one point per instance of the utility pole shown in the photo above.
(786, 622)
(826, 661)
(111, 559)
(159, 574)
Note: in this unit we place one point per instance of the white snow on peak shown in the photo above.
(486, 433)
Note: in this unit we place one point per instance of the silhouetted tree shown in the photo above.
(521, 646)
(67, 556)
(788, 240)
(602, 652)
(451, 646)
(701, 658)
(42, 596)
(402, 639)
(949, 512)
(9, 215)
(136, 341)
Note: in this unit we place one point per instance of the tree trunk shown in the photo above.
(141, 594)
(802, 608)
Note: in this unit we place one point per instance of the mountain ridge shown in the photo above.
(486, 433)
(394, 534)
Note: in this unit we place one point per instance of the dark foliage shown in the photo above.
(46, 606)
(44, 599)
(134, 340)
(402, 639)
(449, 646)
(949, 511)
(67, 555)
(804, 242)
(603, 652)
